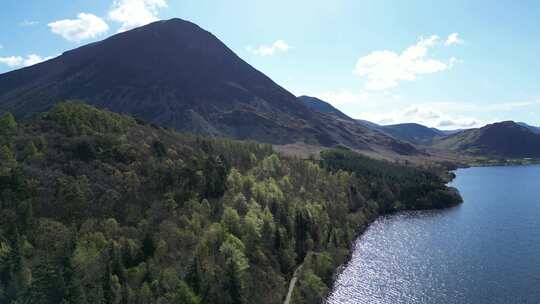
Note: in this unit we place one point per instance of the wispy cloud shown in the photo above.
(12, 61)
(86, 26)
(27, 22)
(385, 69)
(476, 107)
(134, 13)
(453, 39)
(384, 107)
(447, 115)
(343, 97)
(279, 46)
(425, 115)
(19, 61)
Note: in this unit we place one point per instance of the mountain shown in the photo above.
(175, 74)
(369, 124)
(323, 107)
(532, 128)
(413, 132)
(410, 132)
(451, 132)
(504, 139)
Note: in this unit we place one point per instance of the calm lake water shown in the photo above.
(487, 250)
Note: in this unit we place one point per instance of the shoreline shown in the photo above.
(370, 221)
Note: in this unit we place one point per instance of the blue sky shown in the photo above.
(448, 65)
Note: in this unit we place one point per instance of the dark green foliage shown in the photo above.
(183, 294)
(8, 127)
(98, 209)
(397, 186)
(159, 149)
(78, 118)
(85, 151)
(48, 284)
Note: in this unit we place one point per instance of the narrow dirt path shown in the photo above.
(292, 283)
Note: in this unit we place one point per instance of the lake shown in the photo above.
(486, 250)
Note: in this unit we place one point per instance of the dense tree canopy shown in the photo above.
(96, 207)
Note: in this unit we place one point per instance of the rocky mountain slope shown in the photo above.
(175, 74)
(504, 139)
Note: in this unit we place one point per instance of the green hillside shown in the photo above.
(102, 208)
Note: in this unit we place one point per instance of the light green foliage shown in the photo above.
(271, 165)
(253, 223)
(99, 209)
(87, 254)
(31, 151)
(231, 221)
(234, 181)
(311, 290)
(145, 294)
(80, 119)
(267, 192)
(183, 294)
(234, 252)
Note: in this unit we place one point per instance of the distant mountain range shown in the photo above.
(411, 132)
(505, 139)
(175, 74)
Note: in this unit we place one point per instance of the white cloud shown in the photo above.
(350, 101)
(34, 59)
(474, 107)
(447, 115)
(19, 61)
(385, 69)
(86, 26)
(385, 108)
(342, 97)
(463, 123)
(453, 39)
(27, 22)
(269, 50)
(134, 13)
(453, 61)
(425, 115)
(12, 61)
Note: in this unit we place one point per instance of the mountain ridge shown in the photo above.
(506, 139)
(413, 132)
(535, 129)
(323, 106)
(174, 73)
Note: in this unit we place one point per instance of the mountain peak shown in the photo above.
(505, 123)
(173, 23)
(176, 74)
(506, 139)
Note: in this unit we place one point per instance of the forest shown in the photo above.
(97, 207)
